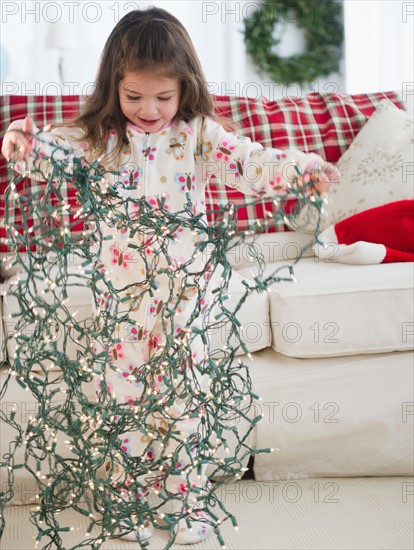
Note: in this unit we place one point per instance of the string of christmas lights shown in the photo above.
(73, 443)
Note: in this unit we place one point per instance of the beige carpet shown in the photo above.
(333, 513)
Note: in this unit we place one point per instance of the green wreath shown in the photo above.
(321, 20)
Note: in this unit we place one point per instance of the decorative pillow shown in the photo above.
(322, 123)
(377, 168)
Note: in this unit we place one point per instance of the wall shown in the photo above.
(33, 68)
(215, 28)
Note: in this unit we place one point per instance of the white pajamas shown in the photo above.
(172, 165)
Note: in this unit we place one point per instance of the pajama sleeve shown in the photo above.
(248, 166)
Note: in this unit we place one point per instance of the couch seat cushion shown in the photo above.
(253, 317)
(271, 247)
(337, 309)
(79, 300)
(16, 399)
(335, 416)
(2, 356)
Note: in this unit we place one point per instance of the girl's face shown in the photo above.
(149, 101)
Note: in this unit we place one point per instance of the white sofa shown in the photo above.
(331, 360)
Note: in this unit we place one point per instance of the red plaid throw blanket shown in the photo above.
(322, 123)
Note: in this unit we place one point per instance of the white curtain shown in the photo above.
(379, 45)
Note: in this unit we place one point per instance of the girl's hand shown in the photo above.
(323, 177)
(18, 140)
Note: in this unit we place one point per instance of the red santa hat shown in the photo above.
(379, 235)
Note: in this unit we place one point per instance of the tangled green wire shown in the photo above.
(72, 443)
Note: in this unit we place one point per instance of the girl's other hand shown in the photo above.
(18, 140)
(322, 177)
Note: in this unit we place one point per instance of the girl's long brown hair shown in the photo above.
(152, 41)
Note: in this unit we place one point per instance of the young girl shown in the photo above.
(150, 121)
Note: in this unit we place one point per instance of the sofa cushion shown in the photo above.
(11, 264)
(243, 252)
(334, 417)
(253, 315)
(25, 407)
(269, 247)
(337, 309)
(2, 354)
(79, 300)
